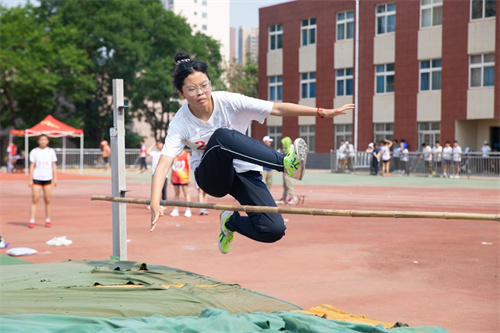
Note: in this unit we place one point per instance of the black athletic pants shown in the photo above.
(216, 176)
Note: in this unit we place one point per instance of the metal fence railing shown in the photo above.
(92, 157)
(471, 164)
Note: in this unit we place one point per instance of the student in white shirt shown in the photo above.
(405, 158)
(437, 152)
(447, 151)
(42, 174)
(225, 160)
(155, 158)
(385, 154)
(457, 158)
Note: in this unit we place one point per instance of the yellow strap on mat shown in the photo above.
(330, 312)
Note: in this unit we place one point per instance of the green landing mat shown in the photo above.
(124, 296)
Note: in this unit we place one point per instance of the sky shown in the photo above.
(243, 12)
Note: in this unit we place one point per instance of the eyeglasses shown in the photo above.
(205, 86)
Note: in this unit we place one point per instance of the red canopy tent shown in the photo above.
(53, 128)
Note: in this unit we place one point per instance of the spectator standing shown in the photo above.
(375, 158)
(11, 152)
(437, 152)
(42, 174)
(404, 159)
(341, 156)
(155, 158)
(267, 174)
(427, 156)
(385, 154)
(396, 155)
(105, 151)
(369, 152)
(143, 153)
(447, 152)
(485, 150)
(349, 153)
(457, 158)
(181, 172)
(202, 197)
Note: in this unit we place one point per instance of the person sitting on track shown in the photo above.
(225, 160)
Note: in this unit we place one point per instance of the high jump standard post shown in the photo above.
(118, 188)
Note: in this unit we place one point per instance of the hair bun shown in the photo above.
(181, 57)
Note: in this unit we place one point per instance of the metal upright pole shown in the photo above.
(81, 154)
(117, 135)
(356, 76)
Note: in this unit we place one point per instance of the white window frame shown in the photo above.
(307, 80)
(277, 35)
(275, 133)
(309, 27)
(385, 14)
(431, 6)
(481, 66)
(346, 21)
(483, 14)
(430, 130)
(276, 84)
(342, 75)
(433, 70)
(342, 132)
(386, 73)
(308, 133)
(383, 131)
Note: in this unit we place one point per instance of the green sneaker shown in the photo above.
(295, 159)
(226, 236)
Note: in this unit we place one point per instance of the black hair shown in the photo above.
(43, 135)
(424, 144)
(184, 67)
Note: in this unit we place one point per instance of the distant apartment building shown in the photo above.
(206, 16)
(428, 70)
(248, 44)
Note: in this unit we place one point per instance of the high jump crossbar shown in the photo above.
(308, 211)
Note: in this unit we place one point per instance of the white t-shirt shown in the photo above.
(427, 151)
(396, 151)
(386, 153)
(43, 159)
(155, 158)
(437, 152)
(447, 153)
(457, 154)
(233, 111)
(404, 156)
(342, 151)
(486, 150)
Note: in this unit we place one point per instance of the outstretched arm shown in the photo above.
(161, 172)
(291, 109)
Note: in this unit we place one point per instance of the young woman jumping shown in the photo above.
(225, 160)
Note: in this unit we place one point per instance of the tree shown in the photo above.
(42, 71)
(244, 79)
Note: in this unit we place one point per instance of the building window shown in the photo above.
(276, 37)
(386, 18)
(382, 131)
(307, 132)
(430, 75)
(204, 15)
(429, 133)
(345, 25)
(308, 85)
(482, 9)
(308, 31)
(482, 70)
(204, 2)
(431, 13)
(204, 27)
(276, 88)
(384, 78)
(344, 82)
(342, 132)
(275, 132)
